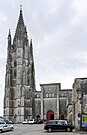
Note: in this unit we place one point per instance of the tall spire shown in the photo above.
(20, 29)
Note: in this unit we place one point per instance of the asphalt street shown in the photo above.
(36, 129)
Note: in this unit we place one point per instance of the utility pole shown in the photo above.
(81, 103)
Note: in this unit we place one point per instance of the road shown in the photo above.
(38, 129)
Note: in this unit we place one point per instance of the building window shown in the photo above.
(18, 111)
(18, 103)
(52, 94)
(47, 95)
(38, 95)
(62, 94)
(14, 73)
(14, 63)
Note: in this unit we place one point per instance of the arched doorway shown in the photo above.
(62, 117)
(38, 117)
(50, 115)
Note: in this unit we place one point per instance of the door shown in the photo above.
(62, 117)
(50, 115)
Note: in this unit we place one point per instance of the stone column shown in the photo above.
(41, 102)
(58, 101)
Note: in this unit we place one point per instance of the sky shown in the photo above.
(58, 29)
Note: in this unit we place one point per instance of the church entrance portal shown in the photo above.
(50, 115)
(62, 117)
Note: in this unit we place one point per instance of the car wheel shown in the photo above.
(0, 131)
(12, 129)
(68, 129)
(49, 130)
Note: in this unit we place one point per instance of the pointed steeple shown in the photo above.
(20, 20)
(9, 32)
(9, 47)
(20, 29)
(32, 68)
(9, 38)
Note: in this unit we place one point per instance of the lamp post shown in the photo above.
(81, 105)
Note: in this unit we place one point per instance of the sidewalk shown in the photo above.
(83, 132)
(80, 132)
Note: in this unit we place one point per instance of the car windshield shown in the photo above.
(2, 122)
(62, 122)
(31, 120)
(7, 122)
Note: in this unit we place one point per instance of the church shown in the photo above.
(21, 99)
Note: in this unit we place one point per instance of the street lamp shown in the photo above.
(81, 105)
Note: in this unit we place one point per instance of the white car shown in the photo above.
(25, 121)
(31, 121)
(5, 127)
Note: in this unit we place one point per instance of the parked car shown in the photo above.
(5, 127)
(11, 122)
(84, 126)
(8, 122)
(25, 121)
(38, 121)
(53, 125)
(31, 121)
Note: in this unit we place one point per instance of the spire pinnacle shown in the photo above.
(9, 37)
(9, 32)
(20, 29)
(21, 7)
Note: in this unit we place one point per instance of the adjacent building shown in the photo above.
(79, 102)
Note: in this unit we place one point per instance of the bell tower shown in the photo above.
(20, 75)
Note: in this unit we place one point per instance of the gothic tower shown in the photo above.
(20, 75)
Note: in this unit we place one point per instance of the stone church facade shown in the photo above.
(53, 101)
(21, 99)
